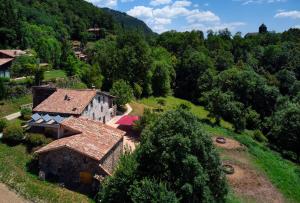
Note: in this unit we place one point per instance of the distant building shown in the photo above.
(51, 106)
(95, 33)
(88, 151)
(6, 59)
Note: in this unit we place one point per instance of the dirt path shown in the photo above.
(247, 182)
(7, 196)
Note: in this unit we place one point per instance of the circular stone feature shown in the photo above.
(221, 140)
(228, 169)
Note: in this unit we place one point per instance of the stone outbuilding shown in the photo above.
(89, 151)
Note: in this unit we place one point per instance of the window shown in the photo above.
(101, 108)
(93, 116)
(92, 104)
(100, 118)
(99, 99)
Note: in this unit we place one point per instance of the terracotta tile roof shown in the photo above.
(66, 101)
(13, 53)
(4, 61)
(94, 139)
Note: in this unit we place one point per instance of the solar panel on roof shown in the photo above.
(47, 118)
(58, 119)
(36, 116)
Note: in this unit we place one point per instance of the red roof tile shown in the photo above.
(4, 61)
(66, 101)
(94, 139)
(13, 53)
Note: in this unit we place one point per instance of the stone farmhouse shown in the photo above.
(6, 59)
(51, 106)
(86, 149)
(88, 152)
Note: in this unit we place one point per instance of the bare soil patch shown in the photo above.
(7, 196)
(249, 183)
(230, 144)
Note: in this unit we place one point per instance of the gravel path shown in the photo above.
(8, 196)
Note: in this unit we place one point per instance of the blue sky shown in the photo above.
(185, 15)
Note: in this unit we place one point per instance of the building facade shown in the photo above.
(52, 105)
(83, 157)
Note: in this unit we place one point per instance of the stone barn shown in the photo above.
(89, 153)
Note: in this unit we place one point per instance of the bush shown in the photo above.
(137, 90)
(259, 136)
(185, 106)
(35, 140)
(123, 91)
(26, 114)
(13, 133)
(162, 102)
(3, 124)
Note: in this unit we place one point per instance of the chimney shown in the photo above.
(40, 93)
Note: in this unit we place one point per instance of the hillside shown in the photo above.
(128, 22)
(62, 18)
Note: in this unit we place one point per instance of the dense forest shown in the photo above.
(251, 81)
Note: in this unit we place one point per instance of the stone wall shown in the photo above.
(111, 159)
(64, 165)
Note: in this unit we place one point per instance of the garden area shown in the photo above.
(9, 106)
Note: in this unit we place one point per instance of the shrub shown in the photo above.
(137, 90)
(123, 91)
(26, 114)
(13, 133)
(35, 140)
(3, 124)
(162, 102)
(259, 136)
(185, 106)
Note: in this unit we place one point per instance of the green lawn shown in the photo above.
(14, 173)
(13, 105)
(283, 174)
(172, 102)
(53, 74)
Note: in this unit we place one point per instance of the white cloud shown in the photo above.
(182, 4)
(159, 2)
(247, 2)
(202, 16)
(104, 3)
(141, 11)
(160, 18)
(288, 14)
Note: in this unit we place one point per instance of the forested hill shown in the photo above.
(128, 22)
(67, 18)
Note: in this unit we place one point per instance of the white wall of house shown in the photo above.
(4, 73)
(99, 109)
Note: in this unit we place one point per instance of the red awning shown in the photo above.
(127, 120)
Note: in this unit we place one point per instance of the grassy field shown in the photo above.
(171, 103)
(54, 74)
(283, 174)
(13, 105)
(14, 173)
